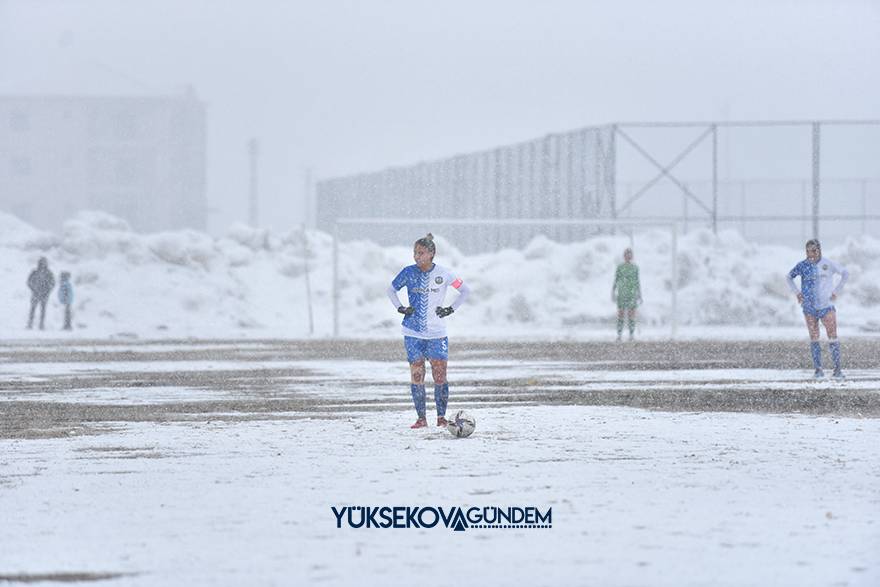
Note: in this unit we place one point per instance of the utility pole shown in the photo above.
(307, 224)
(817, 186)
(253, 208)
(714, 179)
(307, 200)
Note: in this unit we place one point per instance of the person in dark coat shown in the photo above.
(65, 296)
(41, 282)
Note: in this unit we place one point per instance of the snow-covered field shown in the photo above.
(195, 433)
(111, 470)
(637, 498)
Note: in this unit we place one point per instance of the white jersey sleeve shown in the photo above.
(463, 292)
(392, 295)
(844, 276)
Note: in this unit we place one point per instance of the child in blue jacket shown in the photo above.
(65, 296)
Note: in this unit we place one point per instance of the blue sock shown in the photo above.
(418, 395)
(834, 345)
(441, 398)
(816, 351)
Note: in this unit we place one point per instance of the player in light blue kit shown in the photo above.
(424, 331)
(818, 291)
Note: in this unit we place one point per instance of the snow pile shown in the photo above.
(253, 283)
(17, 234)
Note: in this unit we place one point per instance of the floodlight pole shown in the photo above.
(308, 282)
(336, 281)
(253, 200)
(817, 138)
(612, 182)
(673, 319)
(714, 179)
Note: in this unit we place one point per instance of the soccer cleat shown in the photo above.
(838, 374)
(819, 374)
(420, 423)
(441, 421)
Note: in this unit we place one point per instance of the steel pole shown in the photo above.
(612, 150)
(674, 325)
(308, 282)
(714, 179)
(253, 208)
(336, 280)
(816, 179)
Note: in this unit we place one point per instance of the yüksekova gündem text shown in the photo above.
(428, 517)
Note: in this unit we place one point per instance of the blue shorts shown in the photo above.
(426, 348)
(818, 314)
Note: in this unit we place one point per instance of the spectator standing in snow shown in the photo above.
(40, 281)
(65, 296)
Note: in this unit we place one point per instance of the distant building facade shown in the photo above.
(139, 158)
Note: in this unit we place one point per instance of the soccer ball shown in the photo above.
(461, 424)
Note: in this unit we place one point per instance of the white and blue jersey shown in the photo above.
(817, 282)
(426, 291)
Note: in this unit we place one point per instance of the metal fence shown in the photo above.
(560, 177)
(752, 176)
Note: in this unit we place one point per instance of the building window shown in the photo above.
(19, 121)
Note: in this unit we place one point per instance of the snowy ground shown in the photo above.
(252, 284)
(218, 463)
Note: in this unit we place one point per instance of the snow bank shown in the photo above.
(253, 283)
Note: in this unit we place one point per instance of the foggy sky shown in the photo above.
(346, 86)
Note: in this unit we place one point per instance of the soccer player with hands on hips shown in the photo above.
(818, 291)
(424, 327)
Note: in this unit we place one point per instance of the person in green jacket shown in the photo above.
(627, 292)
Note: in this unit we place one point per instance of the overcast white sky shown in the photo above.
(347, 86)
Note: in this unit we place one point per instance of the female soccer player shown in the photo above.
(817, 292)
(424, 332)
(627, 292)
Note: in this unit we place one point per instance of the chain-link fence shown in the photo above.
(559, 177)
(773, 181)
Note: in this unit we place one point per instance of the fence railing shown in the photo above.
(581, 175)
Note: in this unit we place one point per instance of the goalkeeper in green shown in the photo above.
(627, 293)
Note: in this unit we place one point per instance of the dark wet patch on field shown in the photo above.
(859, 353)
(69, 577)
(285, 393)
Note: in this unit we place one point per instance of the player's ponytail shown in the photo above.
(427, 241)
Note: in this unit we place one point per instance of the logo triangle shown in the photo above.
(459, 524)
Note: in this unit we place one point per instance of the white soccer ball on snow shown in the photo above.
(461, 424)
